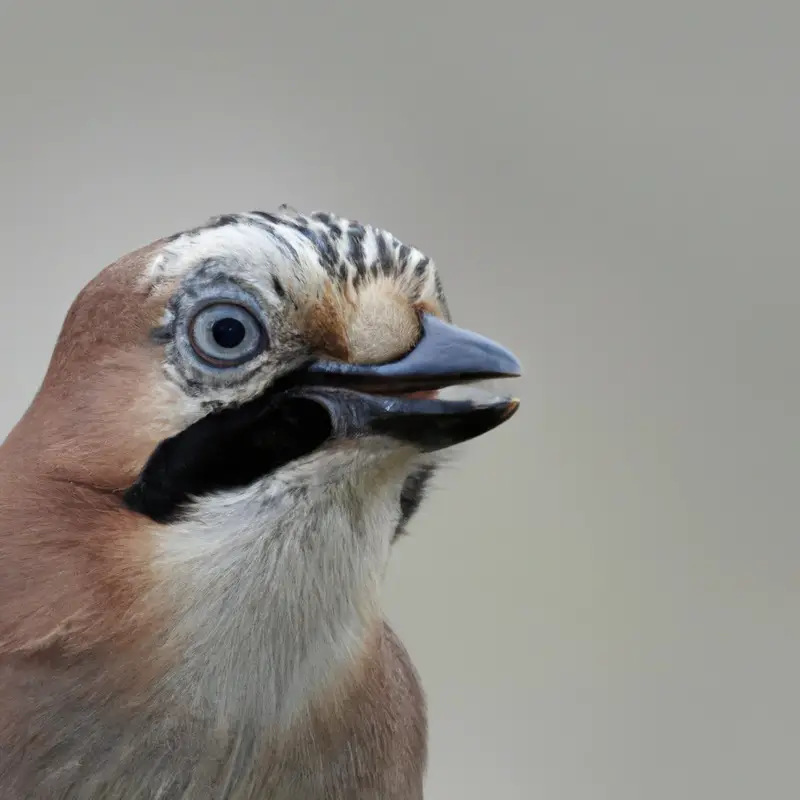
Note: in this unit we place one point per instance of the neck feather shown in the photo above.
(276, 591)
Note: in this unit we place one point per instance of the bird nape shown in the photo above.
(198, 508)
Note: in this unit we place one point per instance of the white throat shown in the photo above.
(276, 588)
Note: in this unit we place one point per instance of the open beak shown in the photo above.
(403, 399)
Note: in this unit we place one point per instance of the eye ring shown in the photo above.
(226, 334)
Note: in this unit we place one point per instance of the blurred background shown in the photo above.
(602, 595)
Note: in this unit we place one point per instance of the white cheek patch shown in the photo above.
(275, 589)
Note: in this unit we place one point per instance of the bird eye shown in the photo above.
(226, 335)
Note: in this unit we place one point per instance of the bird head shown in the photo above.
(255, 406)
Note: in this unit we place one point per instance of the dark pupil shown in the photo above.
(228, 332)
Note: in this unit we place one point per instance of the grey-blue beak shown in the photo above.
(399, 398)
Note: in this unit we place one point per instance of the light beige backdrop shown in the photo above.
(602, 596)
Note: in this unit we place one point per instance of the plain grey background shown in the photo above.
(601, 596)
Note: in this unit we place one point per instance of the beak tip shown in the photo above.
(511, 408)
